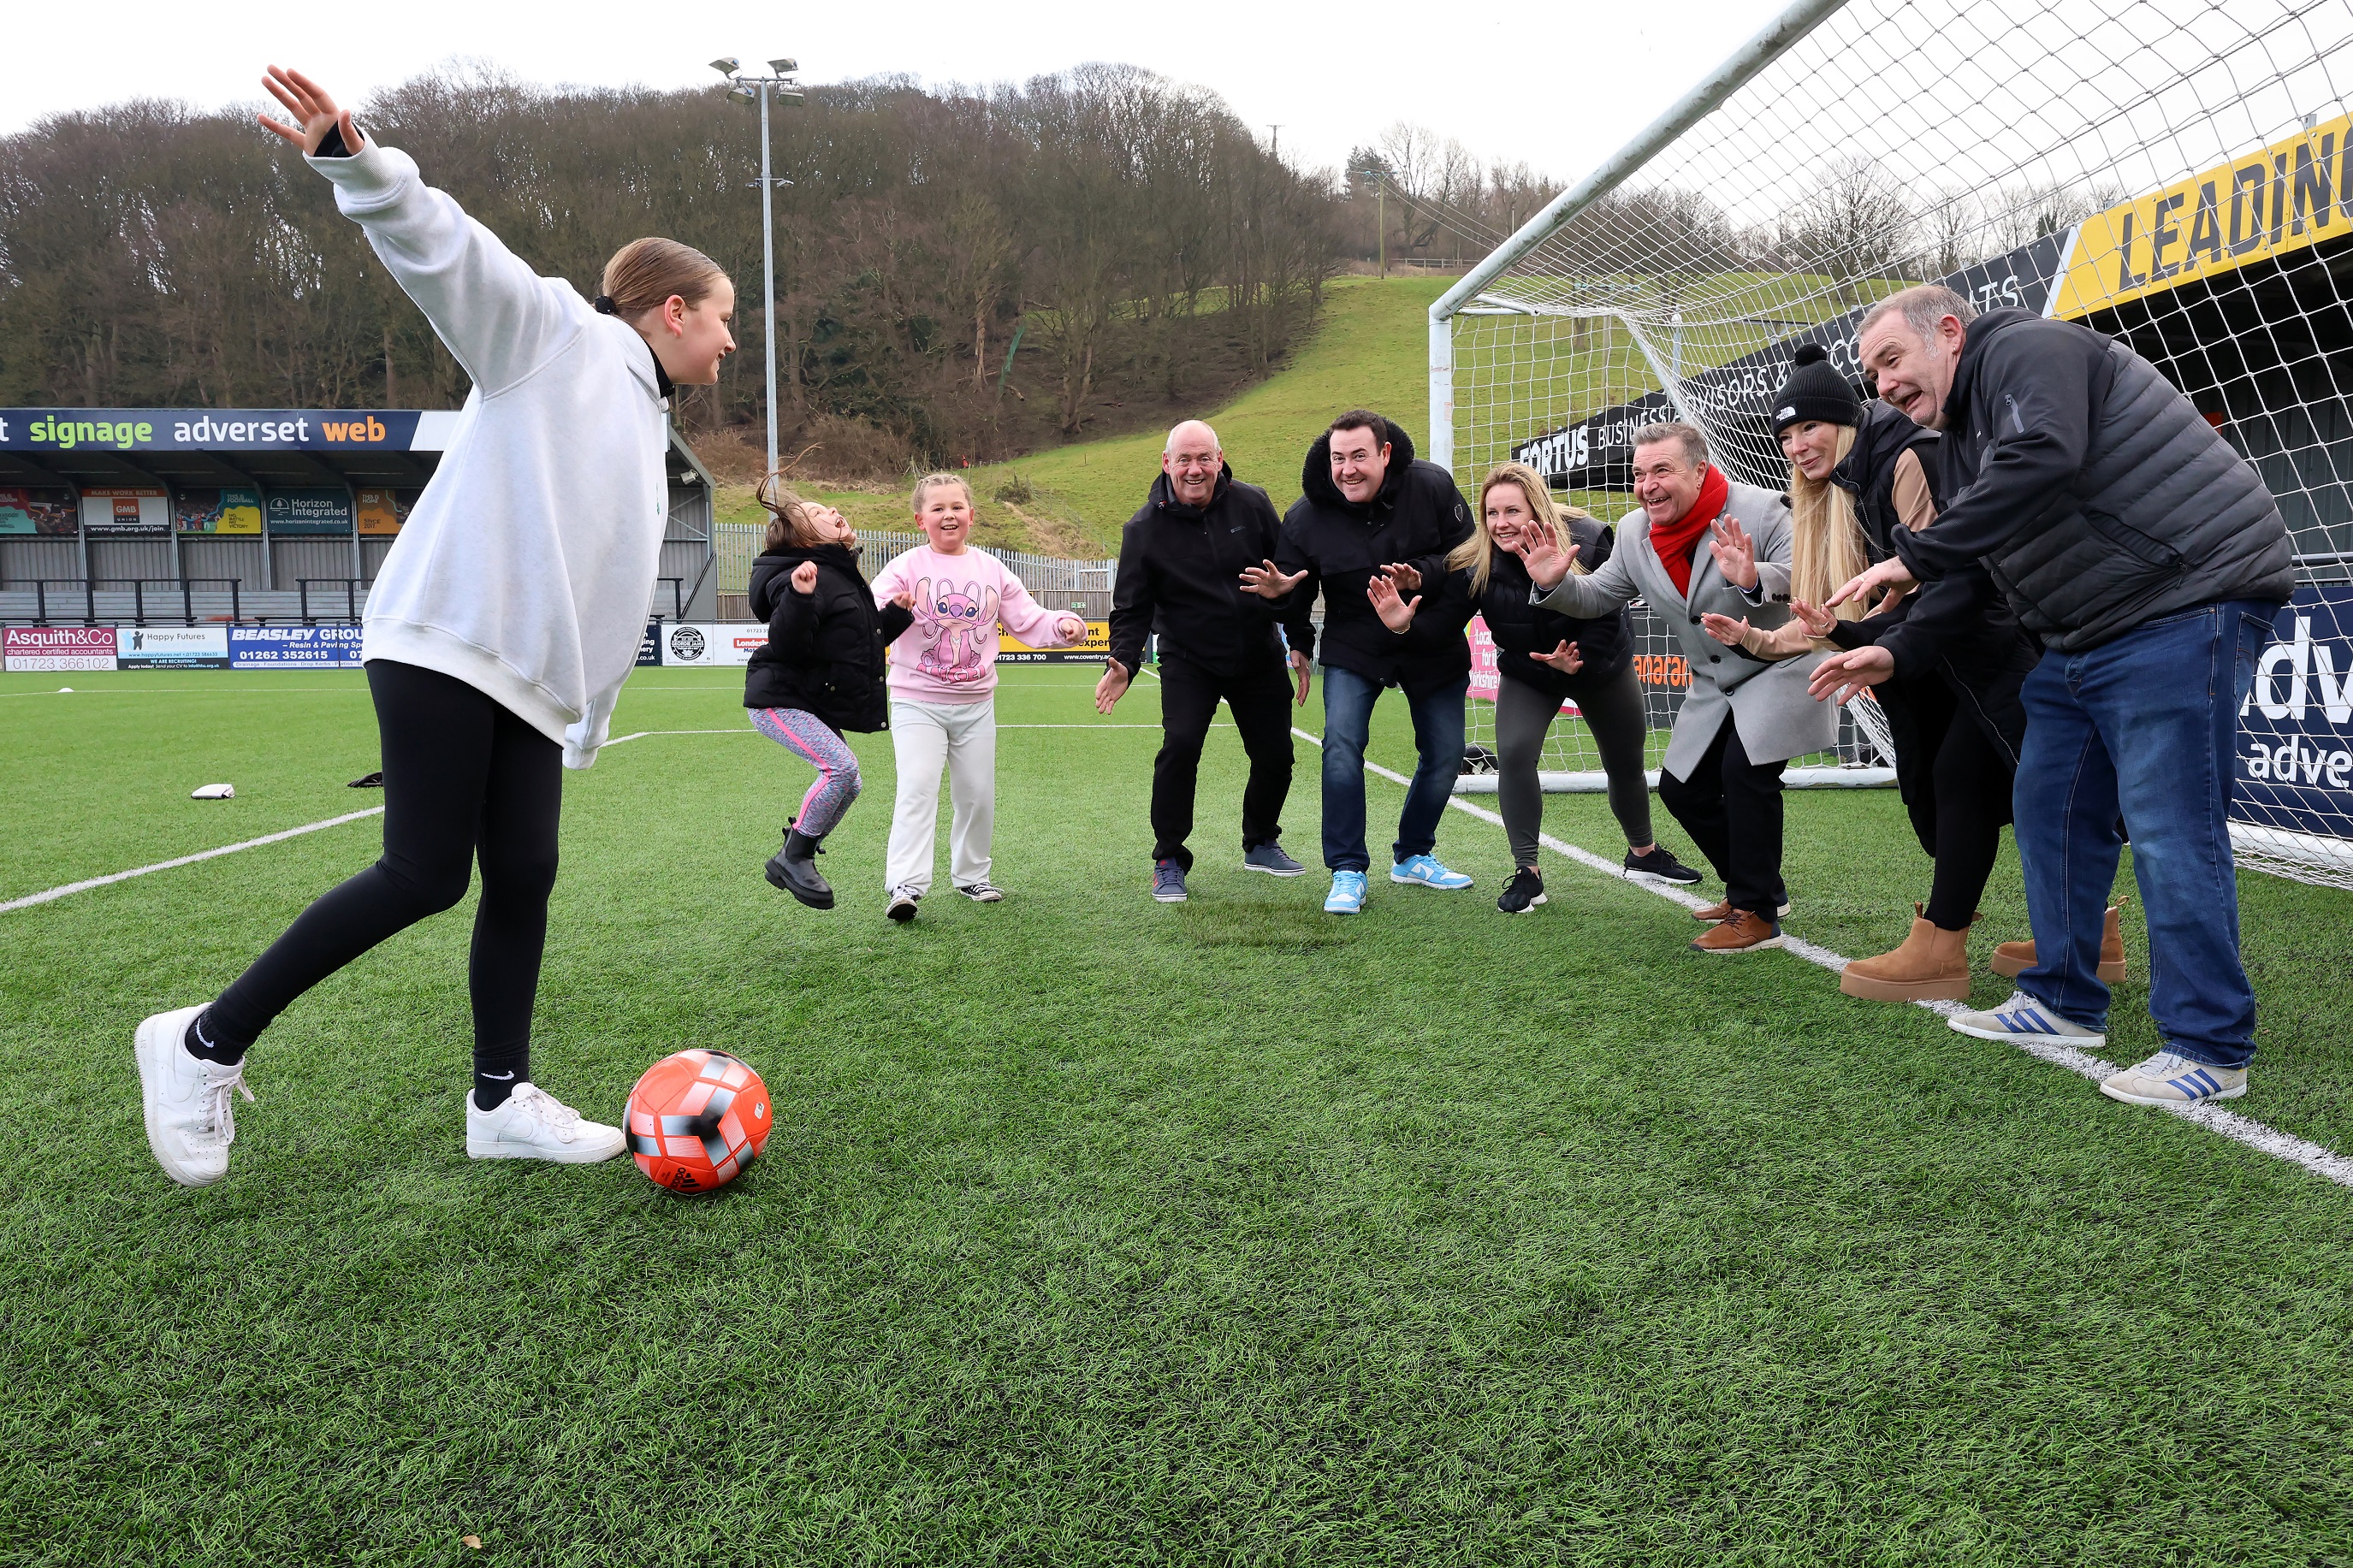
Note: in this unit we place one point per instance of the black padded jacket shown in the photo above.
(824, 653)
(1180, 570)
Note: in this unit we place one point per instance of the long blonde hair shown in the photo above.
(1478, 553)
(1826, 549)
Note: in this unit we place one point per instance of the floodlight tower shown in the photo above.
(742, 89)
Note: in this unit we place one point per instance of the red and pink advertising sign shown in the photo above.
(1483, 675)
(56, 647)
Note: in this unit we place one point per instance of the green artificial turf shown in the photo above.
(1096, 1231)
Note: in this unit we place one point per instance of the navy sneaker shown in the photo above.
(1270, 859)
(1659, 865)
(1168, 881)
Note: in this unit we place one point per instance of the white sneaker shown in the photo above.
(904, 899)
(2024, 1018)
(982, 892)
(532, 1124)
(2167, 1078)
(190, 1120)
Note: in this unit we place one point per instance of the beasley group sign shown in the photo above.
(294, 647)
(2294, 769)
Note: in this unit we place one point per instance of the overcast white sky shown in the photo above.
(1561, 85)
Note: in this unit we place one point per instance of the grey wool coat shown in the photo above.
(1768, 701)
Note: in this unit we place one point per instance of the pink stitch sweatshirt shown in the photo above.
(949, 654)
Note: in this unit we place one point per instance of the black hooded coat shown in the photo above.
(824, 653)
(1180, 572)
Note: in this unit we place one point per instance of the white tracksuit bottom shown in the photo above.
(923, 735)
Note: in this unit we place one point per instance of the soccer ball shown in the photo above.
(696, 1119)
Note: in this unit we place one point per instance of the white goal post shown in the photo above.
(2178, 174)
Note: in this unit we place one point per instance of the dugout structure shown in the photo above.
(180, 516)
(2176, 173)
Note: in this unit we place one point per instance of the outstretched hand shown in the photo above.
(1843, 675)
(1547, 562)
(1268, 581)
(313, 111)
(1111, 687)
(1889, 574)
(1817, 621)
(1396, 614)
(1735, 552)
(1564, 659)
(1405, 575)
(1723, 628)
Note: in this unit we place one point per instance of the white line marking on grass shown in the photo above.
(2321, 1162)
(30, 899)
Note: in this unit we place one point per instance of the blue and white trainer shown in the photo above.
(1424, 871)
(1348, 894)
(2167, 1078)
(2024, 1018)
(1270, 859)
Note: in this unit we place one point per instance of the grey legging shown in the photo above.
(1612, 706)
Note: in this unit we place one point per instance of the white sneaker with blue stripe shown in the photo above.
(2169, 1079)
(1424, 871)
(1348, 894)
(2024, 1018)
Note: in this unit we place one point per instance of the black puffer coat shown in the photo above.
(1417, 517)
(824, 653)
(1605, 645)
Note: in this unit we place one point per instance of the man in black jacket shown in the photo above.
(1180, 564)
(1370, 507)
(2149, 560)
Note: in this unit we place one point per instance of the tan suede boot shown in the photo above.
(1932, 964)
(2016, 957)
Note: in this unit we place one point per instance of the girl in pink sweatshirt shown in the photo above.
(943, 691)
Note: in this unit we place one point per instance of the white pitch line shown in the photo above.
(30, 899)
(2321, 1162)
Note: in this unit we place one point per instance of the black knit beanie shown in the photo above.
(1814, 391)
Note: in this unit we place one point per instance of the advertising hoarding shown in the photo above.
(382, 511)
(1011, 650)
(2294, 769)
(171, 648)
(38, 511)
(317, 509)
(294, 647)
(34, 649)
(126, 509)
(230, 508)
(708, 645)
(189, 430)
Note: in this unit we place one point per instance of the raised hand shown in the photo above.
(1564, 658)
(1723, 628)
(1396, 614)
(804, 577)
(1268, 581)
(1407, 577)
(1889, 574)
(314, 112)
(1303, 669)
(1817, 621)
(1838, 678)
(1735, 552)
(1111, 687)
(1547, 562)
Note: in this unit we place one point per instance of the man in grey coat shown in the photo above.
(1743, 718)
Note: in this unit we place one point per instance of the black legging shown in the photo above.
(1612, 706)
(463, 778)
(1958, 802)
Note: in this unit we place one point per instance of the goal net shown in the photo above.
(2174, 172)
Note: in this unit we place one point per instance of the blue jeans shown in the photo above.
(1349, 701)
(2147, 727)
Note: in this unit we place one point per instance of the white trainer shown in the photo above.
(190, 1112)
(2024, 1018)
(2167, 1078)
(532, 1124)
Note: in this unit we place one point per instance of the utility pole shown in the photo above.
(749, 89)
(1380, 178)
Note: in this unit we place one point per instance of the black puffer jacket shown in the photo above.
(1417, 517)
(824, 653)
(1605, 645)
(2093, 491)
(1180, 570)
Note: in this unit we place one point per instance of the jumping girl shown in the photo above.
(822, 671)
(943, 691)
(499, 633)
(1544, 659)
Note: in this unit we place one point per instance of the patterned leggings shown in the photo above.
(813, 741)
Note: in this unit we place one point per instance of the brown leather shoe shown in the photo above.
(1933, 964)
(1709, 914)
(2014, 958)
(1740, 931)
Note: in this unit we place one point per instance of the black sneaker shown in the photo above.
(1526, 892)
(1659, 865)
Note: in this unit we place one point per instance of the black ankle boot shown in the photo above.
(793, 868)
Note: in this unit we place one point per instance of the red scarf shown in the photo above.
(1676, 542)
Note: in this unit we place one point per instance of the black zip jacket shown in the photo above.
(1180, 570)
(2092, 489)
(1521, 626)
(824, 653)
(1418, 518)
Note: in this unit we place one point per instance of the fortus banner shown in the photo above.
(1598, 453)
(2294, 770)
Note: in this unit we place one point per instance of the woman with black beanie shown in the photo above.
(1858, 472)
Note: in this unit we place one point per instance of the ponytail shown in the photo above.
(645, 272)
